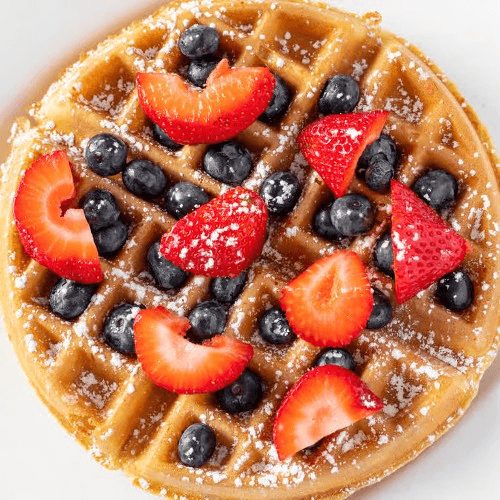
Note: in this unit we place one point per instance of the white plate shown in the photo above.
(37, 458)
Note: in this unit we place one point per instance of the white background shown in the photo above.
(37, 458)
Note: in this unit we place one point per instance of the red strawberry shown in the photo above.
(57, 239)
(221, 238)
(326, 399)
(425, 247)
(332, 145)
(232, 100)
(174, 363)
(330, 302)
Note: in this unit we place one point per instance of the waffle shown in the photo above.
(426, 364)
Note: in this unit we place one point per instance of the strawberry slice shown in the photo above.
(220, 238)
(325, 399)
(330, 302)
(57, 239)
(174, 363)
(232, 99)
(332, 145)
(425, 247)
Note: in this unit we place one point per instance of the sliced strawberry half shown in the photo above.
(232, 99)
(57, 239)
(332, 145)
(326, 399)
(425, 247)
(330, 302)
(221, 238)
(174, 363)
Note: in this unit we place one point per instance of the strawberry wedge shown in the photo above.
(57, 239)
(326, 399)
(332, 145)
(425, 247)
(232, 99)
(174, 363)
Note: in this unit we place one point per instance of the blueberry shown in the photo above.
(455, 291)
(383, 255)
(280, 191)
(161, 137)
(274, 327)
(242, 395)
(144, 179)
(381, 313)
(438, 188)
(118, 330)
(110, 239)
(106, 154)
(278, 104)
(322, 224)
(100, 207)
(227, 289)
(207, 319)
(184, 197)
(166, 274)
(353, 214)
(196, 445)
(228, 162)
(383, 147)
(339, 95)
(69, 299)
(379, 173)
(198, 41)
(335, 356)
(200, 69)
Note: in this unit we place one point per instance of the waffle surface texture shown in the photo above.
(426, 364)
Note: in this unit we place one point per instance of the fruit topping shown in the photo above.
(69, 299)
(232, 100)
(196, 445)
(335, 356)
(207, 319)
(243, 394)
(118, 331)
(332, 145)
(377, 164)
(199, 70)
(324, 400)
(199, 41)
(383, 256)
(144, 179)
(228, 162)
(339, 95)
(226, 290)
(280, 191)
(101, 208)
(221, 238)
(425, 247)
(174, 363)
(56, 238)
(353, 214)
(438, 188)
(111, 238)
(331, 301)
(274, 327)
(166, 274)
(381, 313)
(182, 198)
(322, 224)
(455, 291)
(106, 154)
(162, 138)
(279, 102)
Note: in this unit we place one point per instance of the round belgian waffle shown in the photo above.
(425, 365)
